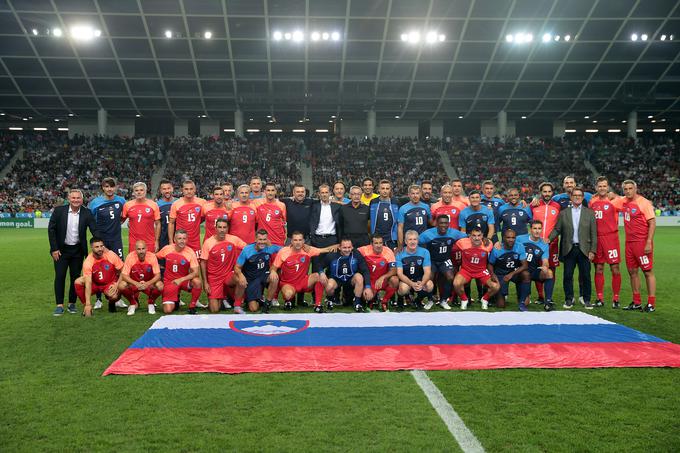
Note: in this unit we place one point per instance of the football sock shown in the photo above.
(524, 290)
(549, 285)
(616, 286)
(389, 292)
(599, 285)
(637, 300)
(540, 290)
(651, 300)
(195, 294)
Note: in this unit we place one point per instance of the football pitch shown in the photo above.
(53, 396)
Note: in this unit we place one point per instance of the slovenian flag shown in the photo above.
(389, 341)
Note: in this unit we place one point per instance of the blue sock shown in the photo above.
(549, 285)
(524, 291)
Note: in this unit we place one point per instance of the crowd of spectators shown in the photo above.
(9, 145)
(404, 161)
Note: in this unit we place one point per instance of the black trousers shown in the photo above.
(358, 240)
(321, 242)
(71, 262)
(574, 258)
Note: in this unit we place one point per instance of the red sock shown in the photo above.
(464, 297)
(636, 299)
(389, 292)
(486, 296)
(616, 286)
(651, 300)
(195, 294)
(80, 292)
(131, 295)
(238, 301)
(539, 288)
(599, 285)
(318, 293)
(153, 295)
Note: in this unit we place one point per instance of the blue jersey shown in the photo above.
(255, 263)
(343, 268)
(164, 208)
(384, 218)
(505, 261)
(564, 200)
(469, 219)
(414, 216)
(514, 218)
(440, 246)
(413, 264)
(493, 203)
(107, 214)
(536, 251)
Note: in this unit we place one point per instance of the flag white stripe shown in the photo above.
(218, 321)
(465, 438)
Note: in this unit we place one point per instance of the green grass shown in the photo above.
(54, 398)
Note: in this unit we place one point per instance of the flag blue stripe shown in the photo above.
(396, 336)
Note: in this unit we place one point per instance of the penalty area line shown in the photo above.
(465, 438)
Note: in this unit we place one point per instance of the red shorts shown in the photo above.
(300, 285)
(608, 250)
(218, 283)
(554, 258)
(101, 288)
(171, 291)
(637, 258)
(383, 287)
(482, 277)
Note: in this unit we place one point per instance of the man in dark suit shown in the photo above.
(67, 232)
(324, 224)
(578, 245)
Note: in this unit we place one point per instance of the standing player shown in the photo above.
(439, 242)
(181, 273)
(608, 249)
(426, 193)
(164, 204)
(476, 215)
(228, 189)
(339, 191)
(271, 215)
(345, 269)
(256, 188)
(547, 211)
(513, 216)
(639, 222)
(457, 188)
(108, 211)
(293, 263)
(537, 253)
(185, 214)
(253, 270)
(564, 198)
(414, 270)
(474, 260)
(101, 271)
(446, 206)
(414, 215)
(491, 201)
(508, 262)
(367, 186)
(141, 274)
(382, 267)
(242, 216)
(213, 210)
(384, 211)
(144, 219)
(218, 257)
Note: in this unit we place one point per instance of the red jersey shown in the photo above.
(142, 222)
(546, 213)
(102, 270)
(294, 265)
(243, 220)
(141, 271)
(177, 263)
(187, 217)
(636, 213)
(210, 214)
(473, 259)
(606, 214)
(272, 217)
(378, 265)
(451, 210)
(220, 256)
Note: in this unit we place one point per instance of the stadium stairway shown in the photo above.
(306, 175)
(17, 156)
(156, 178)
(446, 162)
(592, 168)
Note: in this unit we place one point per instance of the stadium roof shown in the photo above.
(133, 68)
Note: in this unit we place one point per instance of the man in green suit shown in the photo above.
(578, 246)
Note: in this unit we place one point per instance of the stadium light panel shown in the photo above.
(649, 117)
(275, 130)
(299, 130)
(509, 38)
(663, 37)
(594, 121)
(624, 121)
(567, 38)
(524, 117)
(84, 33)
(644, 37)
(335, 36)
(207, 35)
(277, 35)
(460, 117)
(404, 37)
(528, 37)
(547, 37)
(252, 130)
(557, 37)
(586, 117)
(168, 34)
(658, 130)
(414, 37)
(634, 37)
(229, 130)
(431, 37)
(316, 36)
(570, 131)
(677, 130)
(24, 119)
(44, 129)
(442, 38)
(592, 131)
(396, 117)
(35, 32)
(321, 130)
(325, 36)
(333, 116)
(16, 128)
(56, 120)
(638, 130)
(671, 37)
(613, 130)
(287, 36)
(298, 36)
(653, 121)
(2, 114)
(57, 33)
(138, 115)
(71, 114)
(63, 129)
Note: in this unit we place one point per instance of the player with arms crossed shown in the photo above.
(384, 211)
(514, 214)
(447, 207)
(271, 215)
(537, 252)
(508, 262)
(414, 269)
(108, 211)
(414, 215)
(345, 269)
(475, 251)
(213, 210)
(185, 214)
(181, 273)
(101, 271)
(144, 219)
(141, 274)
(547, 211)
(242, 216)
(382, 268)
(253, 271)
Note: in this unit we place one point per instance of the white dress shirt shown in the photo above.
(326, 222)
(72, 227)
(575, 219)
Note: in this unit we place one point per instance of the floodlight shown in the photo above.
(82, 32)
(594, 121)
(44, 129)
(316, 36)
(644, 37)
(404, 37)
(567, 38)
(97, 33)
(519, 37)
(658, 130)
(547, 37)
(557, 37)
(524, 117)
(325, 36)
(509, 38)
(137, 115)
(333, 116)
(460, 117)
(671, 37)
(63, 129)
(207, 35)
(586, 117)
(57, 32)
(649, 117)
(613, 130)
(634, 37)
(442, 38)
(298, 36)
(275, 130)
(321, 130)
(335, 36)
(168, 34)
(277, 36)
(396, 117)
(663, 37)
(431, 37)
(16, 128)
(298, 130)
(287, 36)
(414, 37)
(56, 120)
(35, 32)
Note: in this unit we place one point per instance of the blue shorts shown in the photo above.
(442, 267)
(116, 246)
(535, 274)
(255, 288)
(517, 279)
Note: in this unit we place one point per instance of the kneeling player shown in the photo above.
(414, 270)
(141, 274)
(537, 258)
(382, 268)
(474, 258)
(181, 273)
(345, 269)
(252, 270)
(293, 263)
(508, 261)
(100, 275)
(218, 257)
